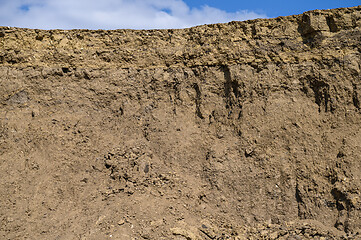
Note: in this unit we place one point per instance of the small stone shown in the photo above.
(273, 235)
(294, 237)
(184, 233)
(146, 168)
(39, 37)
(263, 233)
(248, 152)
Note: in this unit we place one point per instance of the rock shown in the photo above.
(185, 233)
(121, 222)
(20, 97)
(314, 22)
(273, 235)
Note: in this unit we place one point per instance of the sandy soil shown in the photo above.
(245, 130)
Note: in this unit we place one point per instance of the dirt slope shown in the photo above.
(227, 131)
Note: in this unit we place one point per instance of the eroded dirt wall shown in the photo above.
(228, 131)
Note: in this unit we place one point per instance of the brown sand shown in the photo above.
(226, 131)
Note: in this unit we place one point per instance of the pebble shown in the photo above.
(121, 222)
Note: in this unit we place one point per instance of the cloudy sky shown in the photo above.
(147, 14)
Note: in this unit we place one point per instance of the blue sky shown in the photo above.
(148, 14)
(275, 8)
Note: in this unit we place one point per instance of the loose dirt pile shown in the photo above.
(227, 131)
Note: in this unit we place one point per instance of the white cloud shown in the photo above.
(112, 14)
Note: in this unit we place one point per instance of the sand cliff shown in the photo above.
(226, 131)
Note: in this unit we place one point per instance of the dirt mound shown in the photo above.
(226, 131)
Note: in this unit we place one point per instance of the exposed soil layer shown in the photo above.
(226, 131)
